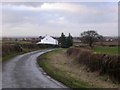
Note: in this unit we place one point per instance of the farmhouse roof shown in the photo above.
(48, 40)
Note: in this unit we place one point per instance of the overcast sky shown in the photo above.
(41, 18)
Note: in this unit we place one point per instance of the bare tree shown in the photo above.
(90, 37)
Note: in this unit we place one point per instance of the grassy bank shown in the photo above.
(70, 72)
(60, 74)
(104, 64)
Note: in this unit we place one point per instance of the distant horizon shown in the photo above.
(43, 35)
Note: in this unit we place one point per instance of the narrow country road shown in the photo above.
(24, 72)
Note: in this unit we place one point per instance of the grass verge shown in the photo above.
(60, 74)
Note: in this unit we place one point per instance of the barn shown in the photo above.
(48, 40)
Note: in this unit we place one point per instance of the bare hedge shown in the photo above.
(102, 63)
(10, 48)
(14, 48)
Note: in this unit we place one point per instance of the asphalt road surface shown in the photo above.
(24, 72)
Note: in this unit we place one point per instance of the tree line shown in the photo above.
(65, 42)
(88, 37)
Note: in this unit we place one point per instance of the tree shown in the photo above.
(62, 41)
(69, 40)
(65, 42)
(90, 37)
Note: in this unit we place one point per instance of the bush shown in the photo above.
(47, 46)
(15, 48)
(103, 63)
(9, 48)
(29, 46)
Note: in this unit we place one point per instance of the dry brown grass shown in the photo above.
(72, 67)
(102, 63)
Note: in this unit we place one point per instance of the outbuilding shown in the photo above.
(48, 40)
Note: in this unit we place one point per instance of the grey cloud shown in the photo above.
(21, 22)
(34, 4)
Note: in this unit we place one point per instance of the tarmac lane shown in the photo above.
(24, 72)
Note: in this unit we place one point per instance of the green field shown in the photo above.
(107, 50)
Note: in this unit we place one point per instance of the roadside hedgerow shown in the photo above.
(102, 63)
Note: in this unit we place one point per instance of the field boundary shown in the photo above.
(105, 64)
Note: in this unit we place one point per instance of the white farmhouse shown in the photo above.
(48, 40)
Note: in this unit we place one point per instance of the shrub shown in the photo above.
(103, 63)
(29, 46)
(14, 48)
(7, 49)
(47, 46)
